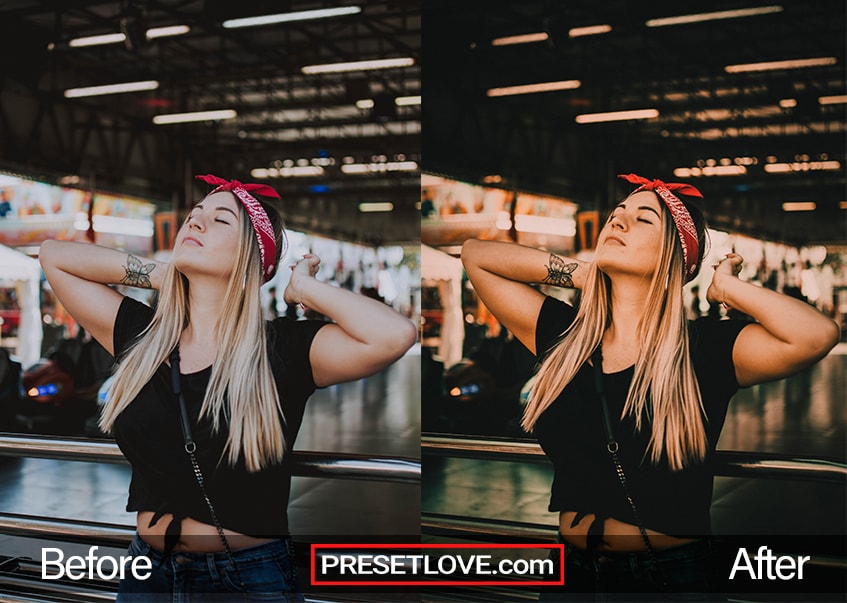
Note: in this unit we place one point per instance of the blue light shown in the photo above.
(47, 390)
(319, 188)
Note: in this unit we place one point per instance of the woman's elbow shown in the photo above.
(469, 248)
(405, 338)
(45, 253)
(830, 336)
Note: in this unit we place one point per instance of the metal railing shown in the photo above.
(20, 588)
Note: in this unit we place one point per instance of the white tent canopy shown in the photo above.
(24, 273)
(447, 270)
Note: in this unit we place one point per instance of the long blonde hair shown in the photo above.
(664, 391)
(241, 393)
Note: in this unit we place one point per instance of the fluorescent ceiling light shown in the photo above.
(714, 170)
(520, 39)
(533, 88)
(365, 103)
(118, 38)
(288, 172)
(542, 36)
(358, 65)
(374, 168)
(111, 89)
(303, 15)
(833, 100)
(787, 103)
(591, 30)
(113, 38)
(802, 166)
(723, 14)
(799, 206)
(164, 32)
(375, 207)
(178, 118)
(406, 101)
(778, 65)
(591, 118)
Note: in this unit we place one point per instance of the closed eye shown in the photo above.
(221, 221)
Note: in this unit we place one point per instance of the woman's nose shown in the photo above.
(195, 222)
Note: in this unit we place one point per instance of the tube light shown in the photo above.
(375, 207)
(799, 206)
(303, 15)
(111, 89)
(178, 118)
(591, 30)
(113, 38)
(164, 32)
(722, 14)
(715, 170)
(288, 172)
(542, 36)
(520, 39)
(833, 100)
(787, 103)
(406, 101)
(533, 88)
(358, 65)
(591, 118)
(802, 166)
(388, 166)
(778, 65)
(115, 225)
(365, 103)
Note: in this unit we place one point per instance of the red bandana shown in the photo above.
(261, 223)
(684, 224)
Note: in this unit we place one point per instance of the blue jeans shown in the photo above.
(267, 570)
(681, 573)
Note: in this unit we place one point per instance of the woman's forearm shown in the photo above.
(786, 318)
(523, 264)
(101, 264)
(362, 318)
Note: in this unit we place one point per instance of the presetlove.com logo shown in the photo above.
(436, 565)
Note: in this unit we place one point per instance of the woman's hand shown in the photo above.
(305, 268)
(726, 271)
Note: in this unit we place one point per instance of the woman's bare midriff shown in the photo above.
(617, 536)
(195, 536)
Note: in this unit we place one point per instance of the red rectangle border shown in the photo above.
(559, 582)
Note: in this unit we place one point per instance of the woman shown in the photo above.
(665, 382)
(214, 522)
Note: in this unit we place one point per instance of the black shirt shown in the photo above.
(572, 435)
(148, 433)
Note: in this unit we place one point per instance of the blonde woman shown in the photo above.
(214, 521)
(633, 492)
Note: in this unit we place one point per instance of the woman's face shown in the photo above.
(630, 243)
(207, 244)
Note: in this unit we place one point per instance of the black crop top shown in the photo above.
(571, 433)
(148, 433)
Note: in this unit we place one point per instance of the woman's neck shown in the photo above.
(629, 301)
(206, 300)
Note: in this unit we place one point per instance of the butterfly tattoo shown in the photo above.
(559, 272)
(137, 273)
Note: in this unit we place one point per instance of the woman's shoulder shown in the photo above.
(284, 332)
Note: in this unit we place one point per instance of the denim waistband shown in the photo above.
(259, 552)
(696, 549)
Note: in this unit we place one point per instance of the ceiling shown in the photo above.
(285, 118)
(708, 117)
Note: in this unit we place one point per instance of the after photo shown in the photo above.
(634, 278)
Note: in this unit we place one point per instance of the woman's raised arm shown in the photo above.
(501, 273)
(79, 274)
(789, 333)
(367, 335)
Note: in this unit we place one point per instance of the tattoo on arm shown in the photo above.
(137, 273)
(559, 272)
